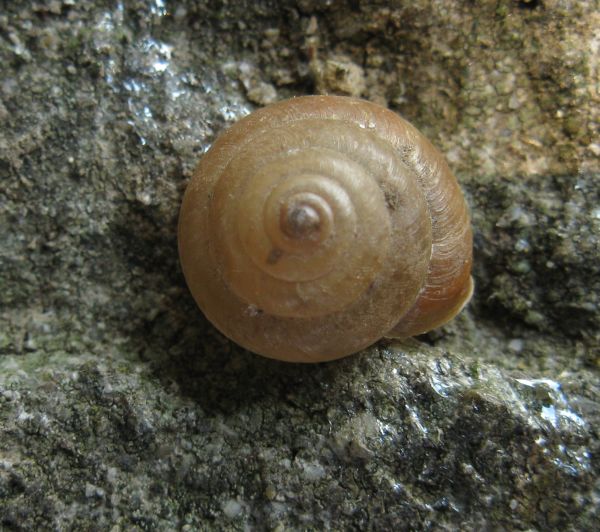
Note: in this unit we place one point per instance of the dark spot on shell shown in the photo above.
(274, 256)
(392, 200)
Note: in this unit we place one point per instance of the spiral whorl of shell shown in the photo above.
(306, 232)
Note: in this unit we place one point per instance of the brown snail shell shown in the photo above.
(317, 225)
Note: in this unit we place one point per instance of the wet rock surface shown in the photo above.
(394, 437)
(122, 408)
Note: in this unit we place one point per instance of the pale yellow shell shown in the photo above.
(317, 225)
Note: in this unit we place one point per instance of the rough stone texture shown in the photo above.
(122, 408)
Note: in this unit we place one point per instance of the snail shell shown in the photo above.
(317, 225)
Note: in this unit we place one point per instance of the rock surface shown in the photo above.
(121, 408)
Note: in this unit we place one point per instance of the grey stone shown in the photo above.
(121, 408)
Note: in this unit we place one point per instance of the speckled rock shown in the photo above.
(121, 408)
(397, 435)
